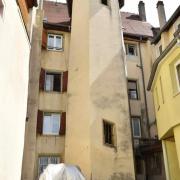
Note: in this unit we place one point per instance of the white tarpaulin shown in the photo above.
(61, 172)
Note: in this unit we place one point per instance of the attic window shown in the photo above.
(104, 2)
(1, 8)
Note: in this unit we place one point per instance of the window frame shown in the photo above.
(51, 134)
(104, 3)
(54, 42)
(137, 89)
(61, 81)
(135, 49)
(47, 156)
(112, 134)
(176, 75)
(140, 132)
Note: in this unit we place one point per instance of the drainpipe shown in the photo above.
(144, 86)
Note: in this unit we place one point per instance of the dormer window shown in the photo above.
(55, 42)
(104, 2)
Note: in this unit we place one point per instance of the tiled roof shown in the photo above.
(57, 13)
(133, 25)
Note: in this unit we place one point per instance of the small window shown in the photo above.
(108, 133)
(53, 82)
(132, 89)
(51, 123)
(104, 2)
(131, 49)
(45, 160)
(136, 125)
(157, 99)
(160, 49)
(55, 42)
(178, 75)
(1, 8)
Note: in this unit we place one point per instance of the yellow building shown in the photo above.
(165, 85)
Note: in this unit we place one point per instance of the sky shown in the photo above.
(151, 11)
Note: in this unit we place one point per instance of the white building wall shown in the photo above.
(14, 67)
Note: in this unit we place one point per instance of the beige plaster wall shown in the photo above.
(14, 71)
(97, 90)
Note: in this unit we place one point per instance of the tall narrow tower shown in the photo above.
(98, 134)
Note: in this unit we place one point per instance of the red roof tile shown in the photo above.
(132, 24)
(55, 12)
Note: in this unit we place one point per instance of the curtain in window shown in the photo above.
(49, 82)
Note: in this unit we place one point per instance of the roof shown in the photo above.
(57, 16)
(134, 26)
(161, 58)
(166, 27)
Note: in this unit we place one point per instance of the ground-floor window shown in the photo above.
(45, 160)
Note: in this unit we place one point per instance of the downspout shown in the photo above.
(144, 86)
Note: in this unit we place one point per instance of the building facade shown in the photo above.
(164, 83)
(78, 104)
(16, 21)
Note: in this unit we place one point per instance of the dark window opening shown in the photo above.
(104, 2)
(139, 166)
(154, 164)
(53, 82)
(108, 133)
(131, 49)
(132, 89)
(160, 49)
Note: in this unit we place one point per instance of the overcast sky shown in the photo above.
(151, 12)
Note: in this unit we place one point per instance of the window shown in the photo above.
(154, 165)
(45, 160)
(157, 99)
(162, 91)
(131, 49)
(51, 123)
(1, 8)
(178, 74)
(104, 2)
(108, 133)
(55, 42)
(53, 82)
(160, 49)
(136, 125)
(132, 89)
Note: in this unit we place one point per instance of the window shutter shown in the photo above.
(62, 129)
(44, 39)
(40, 122)
(42, 79)
(65, 81)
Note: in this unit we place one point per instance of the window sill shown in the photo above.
(55, 50)
(53, 92)
(50, 135)
(109, 145)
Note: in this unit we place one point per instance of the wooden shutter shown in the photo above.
(42, 79)
(44, 39)
(40, 122)
(62, 129)
(65, 81)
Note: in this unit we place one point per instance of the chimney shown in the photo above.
(142, 11)
(161, 13)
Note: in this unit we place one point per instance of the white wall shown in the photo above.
(14, 67)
